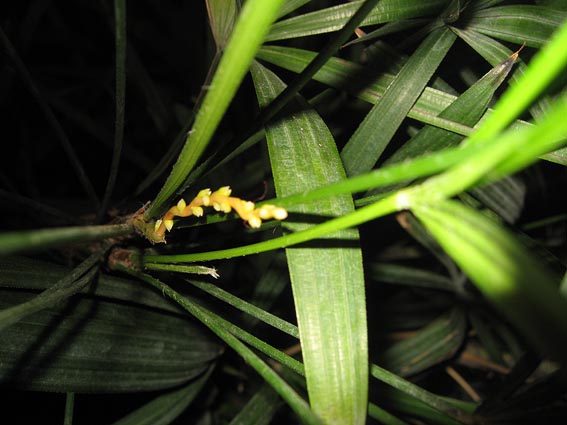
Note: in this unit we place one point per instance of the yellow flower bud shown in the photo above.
(181, 205)
(254, 222)
(197, 211)
(224, 191)
(168, 224)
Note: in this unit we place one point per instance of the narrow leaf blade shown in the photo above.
(334, 18)
(328, 284)
(372, 136)
(519, 24)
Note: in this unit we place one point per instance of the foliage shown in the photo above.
(403, 260)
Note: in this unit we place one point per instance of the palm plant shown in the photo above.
(396, 264)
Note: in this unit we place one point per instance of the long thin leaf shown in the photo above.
(542, 70)
(291, 5)
(222, 16)
(529, 24)
(120, 46)
(260, 409)
(165, 408)
(467, 109)
(495, 52)
(419, 393)
(510, 152)
(431, 345)
(334, 18)
(248, 308)
(328, 285)
(379, 126)
(406, 275)
(383, 416)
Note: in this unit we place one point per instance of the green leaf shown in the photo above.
(555, 4)
(389, 28)
(328, 284)
(252, 25)
(165, 408)
(260, 409)
(504, 197)
(519, 24)
(435, 343)
(33, 275)
(494, 53)
(503, 271)
(334, 18)
(120, 66)
(69, 285)
(94, 345)
(412, 276)
(222, 16)
(269, 287)
(411, 225)
(248, 308)
(543, 69)
(466, 109)
(291, 5)
(483, 325)
(501, 156)
(383, 416)
(379, 126)
(412, 407)
(418, 393)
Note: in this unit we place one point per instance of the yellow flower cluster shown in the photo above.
(220, 200)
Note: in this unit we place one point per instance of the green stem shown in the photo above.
(32, 240)
(69, 408)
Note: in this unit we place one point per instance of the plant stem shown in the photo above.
(33, 240)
